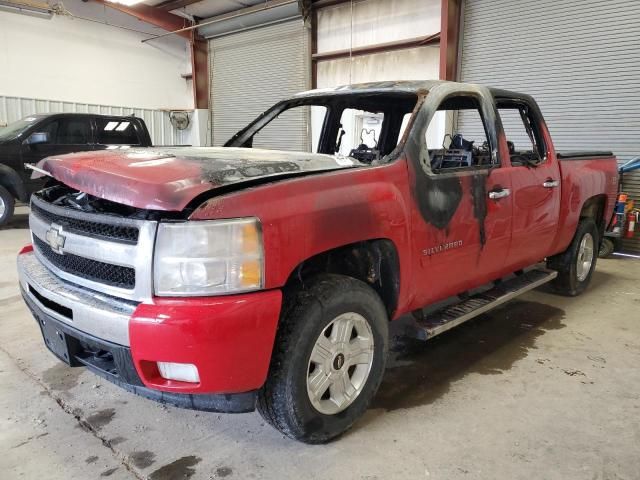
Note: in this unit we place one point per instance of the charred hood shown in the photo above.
(169, 178)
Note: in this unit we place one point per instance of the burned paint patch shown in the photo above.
(479, 196)
(181, 468)
(142, 459)
(91, 459)
(108, 473)
(438, 198)
(419, 373)
(101, 418)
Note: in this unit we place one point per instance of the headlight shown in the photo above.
(208, 257)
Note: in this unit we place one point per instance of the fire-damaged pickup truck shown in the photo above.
(249, 276)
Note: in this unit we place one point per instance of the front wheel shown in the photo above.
(575, 266)
(328, 360)
(7, 204)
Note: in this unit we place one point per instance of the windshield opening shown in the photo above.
(365, 127)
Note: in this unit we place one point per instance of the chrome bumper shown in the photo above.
(101, 316)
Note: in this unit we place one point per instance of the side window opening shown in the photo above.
(525, 143)
(457, 136)
(73, 131)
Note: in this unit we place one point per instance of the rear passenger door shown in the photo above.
(116, 132)
(536, 182)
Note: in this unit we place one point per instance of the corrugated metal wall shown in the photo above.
(579, 58)
(158, 123)
(252, 70)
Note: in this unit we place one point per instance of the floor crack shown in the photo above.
(86, 426)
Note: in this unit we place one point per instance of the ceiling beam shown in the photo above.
(175, 4)
(378, 48)
(152, 16)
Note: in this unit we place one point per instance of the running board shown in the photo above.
(451, 316)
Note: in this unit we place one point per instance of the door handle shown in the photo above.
(550, 183)
(496, 194)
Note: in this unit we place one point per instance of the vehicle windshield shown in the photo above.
(365, 127)
(14, 129)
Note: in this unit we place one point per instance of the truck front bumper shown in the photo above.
(229, 339)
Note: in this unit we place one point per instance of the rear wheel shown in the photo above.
(7, 204)
(576, 265)
(607, 247)
(328, 360)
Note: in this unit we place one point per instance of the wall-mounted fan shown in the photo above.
(179, 120)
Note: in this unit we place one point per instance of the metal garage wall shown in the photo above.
(252, 70)
(373, 22)
(158, 123)
(579, 58)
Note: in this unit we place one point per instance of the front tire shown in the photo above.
(328, 360)
(7, 204)
(575, 266)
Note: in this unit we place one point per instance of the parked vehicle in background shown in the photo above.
(236, 278)
(35, 137)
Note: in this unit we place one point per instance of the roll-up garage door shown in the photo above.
(579, 58)
(252, 70)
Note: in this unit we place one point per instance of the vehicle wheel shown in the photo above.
(607, 247)
(328, 360)
(7, 204)
(575, 266)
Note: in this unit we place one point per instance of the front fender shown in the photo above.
(307, 216)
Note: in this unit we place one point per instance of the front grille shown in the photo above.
(114, 275)
(119, 233)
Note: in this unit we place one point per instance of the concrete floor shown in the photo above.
(546, 387)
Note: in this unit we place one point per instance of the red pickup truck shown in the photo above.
(242, 277)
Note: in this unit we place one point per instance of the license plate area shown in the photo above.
(59, 343)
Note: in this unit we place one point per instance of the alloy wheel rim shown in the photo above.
(585, 257)
(3, 207)
(340, 363)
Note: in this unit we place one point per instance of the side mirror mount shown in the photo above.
(38, 138)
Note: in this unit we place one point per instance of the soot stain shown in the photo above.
(61, 377)
(479, 195)
(438, 198)
(421, 372)
(181, 468)
(101, 418)
(143, 459)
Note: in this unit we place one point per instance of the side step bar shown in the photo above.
(453, 315)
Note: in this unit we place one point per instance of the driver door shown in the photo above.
(463, 206)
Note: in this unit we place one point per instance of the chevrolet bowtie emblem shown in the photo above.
(55, 238)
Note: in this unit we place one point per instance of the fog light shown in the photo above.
(184, 372)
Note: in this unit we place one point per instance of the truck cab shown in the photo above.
(29, 140)
(258, 276)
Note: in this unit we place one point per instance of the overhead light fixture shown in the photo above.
(126, 3)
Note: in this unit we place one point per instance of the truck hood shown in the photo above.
(169, 178)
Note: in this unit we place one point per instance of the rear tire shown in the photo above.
(328, 359)
(607, 247)
(7, 204)
(575, 266)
